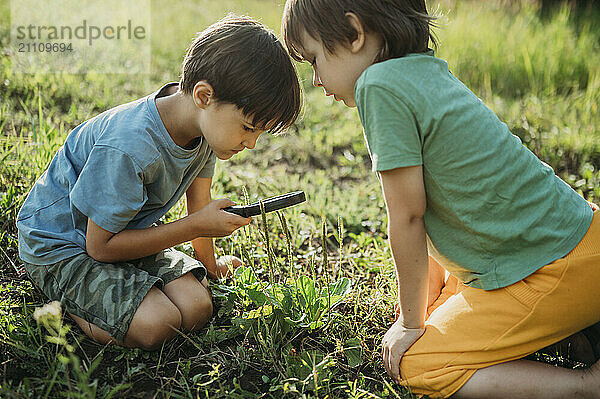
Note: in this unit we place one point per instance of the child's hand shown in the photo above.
(213, 221)
(225, 266)
(396, 341)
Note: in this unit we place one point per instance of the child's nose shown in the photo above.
(251, 142)
(316, 80)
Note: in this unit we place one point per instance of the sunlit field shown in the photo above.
(305, 315)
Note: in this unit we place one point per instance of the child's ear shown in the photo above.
(359, 41)
(202, 94)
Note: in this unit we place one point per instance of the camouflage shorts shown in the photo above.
(108, 295)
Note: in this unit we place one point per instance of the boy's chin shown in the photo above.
(349, 103)
(224, 156)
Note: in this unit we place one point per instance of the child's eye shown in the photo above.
(249, 129)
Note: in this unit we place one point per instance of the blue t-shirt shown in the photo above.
(121, 169)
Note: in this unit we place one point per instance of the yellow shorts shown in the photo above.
(469, 328)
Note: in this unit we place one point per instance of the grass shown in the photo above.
(540, 74)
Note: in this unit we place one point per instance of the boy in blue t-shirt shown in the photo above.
(87, 231)
(521, 247)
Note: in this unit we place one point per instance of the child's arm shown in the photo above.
(405, 199)
(437, 281)
(208, 221)
(198, 196)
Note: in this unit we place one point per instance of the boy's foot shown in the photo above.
(592, 334)
(581, 347)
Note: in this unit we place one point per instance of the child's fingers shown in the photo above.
(240, 221)
(395, 365)
(386, 352)
(236, 221)
(395, 343)
(391, 361)
(385, 355)
(223, 203)
(230, 260)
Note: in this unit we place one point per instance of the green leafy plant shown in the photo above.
(276, 308)
(298, 303)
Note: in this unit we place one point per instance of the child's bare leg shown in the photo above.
(437, 276)
(93, 331)
(192, 298)
(155, 321)
(521, 379)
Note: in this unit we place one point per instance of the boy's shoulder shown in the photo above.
(116, 119)
(410, 69)
(133, 128)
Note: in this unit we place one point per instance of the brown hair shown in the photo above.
(404, 25)
(247, 66)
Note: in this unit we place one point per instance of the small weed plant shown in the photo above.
(287, 303)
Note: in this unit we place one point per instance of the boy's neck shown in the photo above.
(175, 110)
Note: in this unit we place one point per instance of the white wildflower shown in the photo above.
(52, 310)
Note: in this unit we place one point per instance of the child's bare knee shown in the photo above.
(193, 300)
(156, 320)
(153, 332)
(196, 312)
